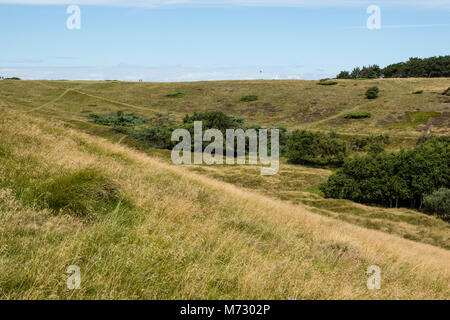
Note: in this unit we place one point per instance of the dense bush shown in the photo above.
(214, 120)
(426, 138)
(418, 92)
(438, 202)
(393, 179)
(447, 92)
(306, 147)
(120, 119)
(358, 115)
(249, 98)
(156, 133)
(372, 92)
(156, 136)
(364, 143)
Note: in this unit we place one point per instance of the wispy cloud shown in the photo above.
(26, 61)
(405, 26)
(291, 3)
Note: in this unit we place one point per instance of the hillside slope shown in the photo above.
(296, 104)
(141, 228)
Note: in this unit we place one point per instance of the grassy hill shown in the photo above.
(73, 192)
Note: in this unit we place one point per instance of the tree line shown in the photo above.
(433, 67)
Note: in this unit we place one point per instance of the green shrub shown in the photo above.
(375, 148)
(306, 147)
(447, 92)
(86, 192)
(121, 119)
(358, 115)
(215, 120)
(327, 83)
(157, 136)
(438, 202)
(157, 132)
(249, 98)
(175, 95)
(372, 93)
(334, 134)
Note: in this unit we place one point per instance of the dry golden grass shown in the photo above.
(184, 235)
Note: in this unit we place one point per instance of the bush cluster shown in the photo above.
(402, 178)
(306, 147)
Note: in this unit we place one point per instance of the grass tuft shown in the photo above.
(86, 192)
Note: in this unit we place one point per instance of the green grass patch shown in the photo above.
(420, 117)
(175, 95)
(249, 98)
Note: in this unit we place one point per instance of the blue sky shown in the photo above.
(189, 40)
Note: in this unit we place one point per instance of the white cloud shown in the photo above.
(160, 74)
(291, 3)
